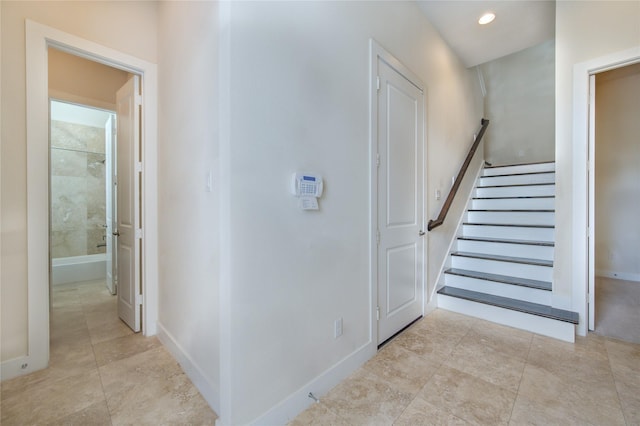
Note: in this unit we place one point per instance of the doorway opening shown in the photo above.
(94, 215)
(614, 203)
(583, 150)
(41, 40)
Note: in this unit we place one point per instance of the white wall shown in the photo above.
(617, 192)
(188, 214)
(298, 82)
(584, 31)
(520, 103)
(135, 34)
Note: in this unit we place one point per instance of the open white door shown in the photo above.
(129, 227)
(111, 225)
(400, 215)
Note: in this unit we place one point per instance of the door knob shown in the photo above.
(421, 233)
(116, 234)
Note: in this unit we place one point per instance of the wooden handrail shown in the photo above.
(454, 189)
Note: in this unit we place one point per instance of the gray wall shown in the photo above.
(520, 103)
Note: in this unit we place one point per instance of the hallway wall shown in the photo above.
(298, 80)
(584, 31)
(189, 251)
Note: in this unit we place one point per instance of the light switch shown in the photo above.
(209, 181)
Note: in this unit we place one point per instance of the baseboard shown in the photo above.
(17, 367)
(431, 306)
(296, 403)
(628, 276)
(209, 391)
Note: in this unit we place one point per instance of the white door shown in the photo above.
(400, 201)
(128, 232)
(110, 175)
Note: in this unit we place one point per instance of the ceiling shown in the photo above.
(78, 114)
(519, 24)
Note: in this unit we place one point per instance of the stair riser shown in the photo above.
(525, 168)
(499, 289)
(513, 232)
(504, 249)
(518, 179)
(515, 191)
(512, 218)
(535, 324)
(534, 272)
(514, 204)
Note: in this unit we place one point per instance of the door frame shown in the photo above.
(377, 51)
(38, 39)
(583, 192)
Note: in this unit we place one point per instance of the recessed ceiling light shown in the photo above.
(486, 18)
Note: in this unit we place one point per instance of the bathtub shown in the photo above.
(79, 268)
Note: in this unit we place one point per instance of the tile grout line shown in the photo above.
(95, 360)
(437, 368)
(104, 394)
(615, 382)
(524, 367)
(79, 301)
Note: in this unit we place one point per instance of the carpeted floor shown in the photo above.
(618, 309)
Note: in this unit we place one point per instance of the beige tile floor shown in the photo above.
(100, 372)
(449, 369)
(446, 369)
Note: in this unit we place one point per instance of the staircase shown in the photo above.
(502, 265)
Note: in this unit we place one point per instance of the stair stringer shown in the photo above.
(446, 262)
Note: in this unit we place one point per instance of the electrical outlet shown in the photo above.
(337, 328)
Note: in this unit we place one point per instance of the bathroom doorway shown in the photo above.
(94, 135)
(84, 84)
(82, 140)
(82, 213)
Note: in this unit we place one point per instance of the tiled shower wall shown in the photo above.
(77, 189)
